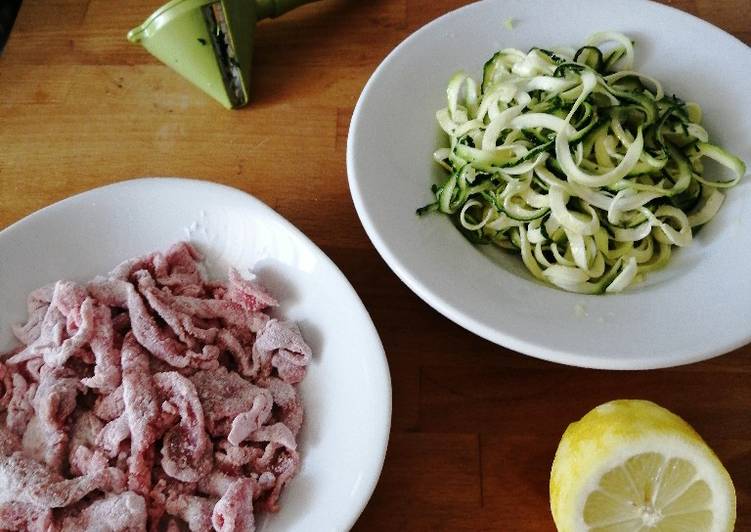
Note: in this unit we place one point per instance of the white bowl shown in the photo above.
(698, 307)
(347, 392)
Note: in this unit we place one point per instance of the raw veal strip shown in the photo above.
(149, 398)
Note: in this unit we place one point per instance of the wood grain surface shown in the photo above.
(475, 426)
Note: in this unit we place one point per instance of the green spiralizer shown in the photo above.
(210, 42)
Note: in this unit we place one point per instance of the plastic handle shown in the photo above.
(275, 8)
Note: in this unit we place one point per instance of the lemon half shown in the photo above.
(633, 466)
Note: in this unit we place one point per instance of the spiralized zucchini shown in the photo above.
(577, 162)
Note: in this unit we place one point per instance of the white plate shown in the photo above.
(347, 392)
(699, 307)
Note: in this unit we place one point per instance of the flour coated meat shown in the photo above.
(149, 399)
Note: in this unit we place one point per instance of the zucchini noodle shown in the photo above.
(577, 162)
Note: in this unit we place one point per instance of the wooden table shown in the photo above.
(474, 425)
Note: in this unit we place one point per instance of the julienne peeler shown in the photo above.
(210, 42)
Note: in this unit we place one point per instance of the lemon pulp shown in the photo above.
(650, 492)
